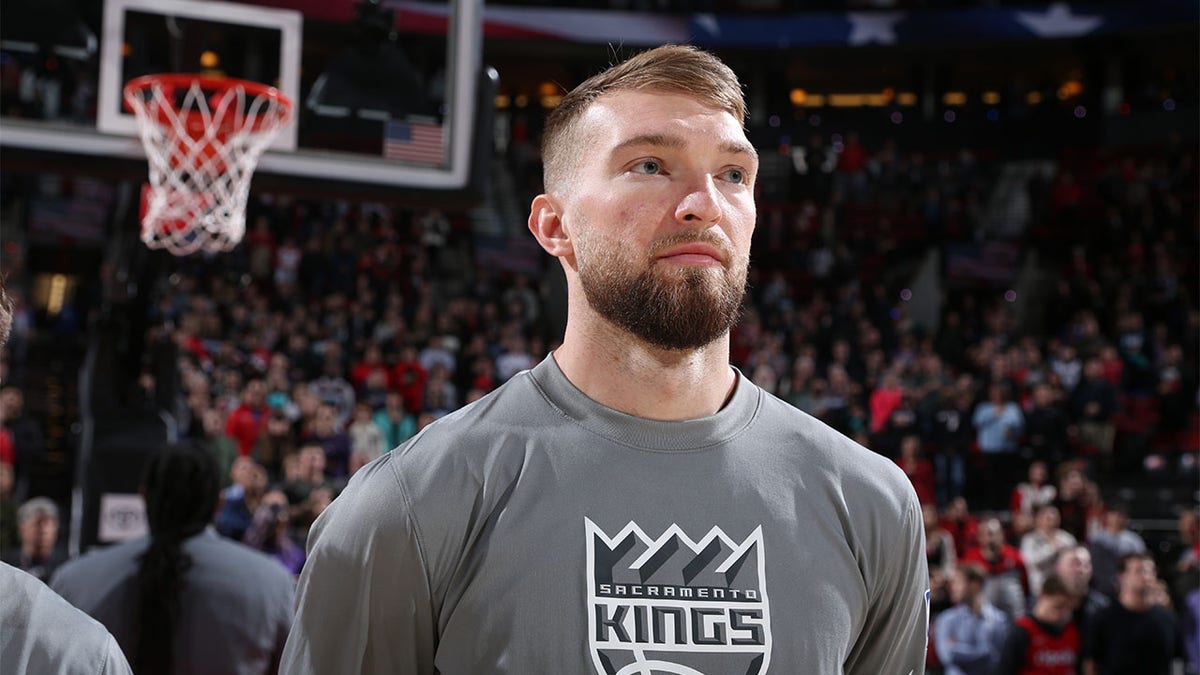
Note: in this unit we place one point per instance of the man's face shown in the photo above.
(1055, 609)
(962, 590)
(660, 211)
(991, 535)
(39, 533)
(1075, 567)
(1139, 577)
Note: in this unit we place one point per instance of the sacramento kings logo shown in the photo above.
(674, 605)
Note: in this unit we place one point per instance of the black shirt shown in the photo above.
(1135, 643)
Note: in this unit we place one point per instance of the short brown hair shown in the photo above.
(681, 69)
(1123, 561)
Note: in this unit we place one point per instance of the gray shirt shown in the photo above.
(42, 633)
(536, 531)
(237, 603)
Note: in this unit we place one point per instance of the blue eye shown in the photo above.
(736, 176)
(647, 166)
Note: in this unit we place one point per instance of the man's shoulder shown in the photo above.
(252, 565)
(83, 569)
(819, 450)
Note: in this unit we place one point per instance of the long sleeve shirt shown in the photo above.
(968, 643)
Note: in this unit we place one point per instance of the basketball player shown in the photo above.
(42, 632)
(632, 504)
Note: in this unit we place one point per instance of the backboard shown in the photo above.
(381, 106)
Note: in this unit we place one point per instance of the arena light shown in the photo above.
(1070, 89)
(991, 97)
(847, 100)
(816, 101)
(1033, 97)
(551, 101)
(503, 101)
(877, 100)
(521, 100)
(954, 98)
(906, 98)
(798, 97)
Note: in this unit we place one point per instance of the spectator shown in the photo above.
(372, 362)
(1046, 427)
(1047, 641)
(1074, 566)
(332, 389)
(998, 423)
(1007, 583)
(327, 433)
(24, 435)
(408, 377)
(247, 422)
(951, 435)
(1109, 544)
(940, 555)
(394, 422)
(241, 500)
(223, 448)
(269, 532)
(1036, 492)
(310, 474)
(37, 527)
(968, 636)
(1074, 501)
(276, 444)
(182, 599)
(1133, 636)
(1042, 546)
(366, 438)
(918, 469)
(962, 526)
(1095, 403)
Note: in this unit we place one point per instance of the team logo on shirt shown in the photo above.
(674, 605)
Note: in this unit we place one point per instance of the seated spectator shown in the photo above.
(276, 443)
(1006, 584)
(269, 532)
(241, 499)
(310, 474)
(1034, 492)
(366, 439)
(1047, 641)
(1041, 547)
(1108, 544)
(327, 433)
(37, 527)
(223, 448)
(968, 637)
(395, 422)
(940, 556)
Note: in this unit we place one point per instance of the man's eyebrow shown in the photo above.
(676, 142)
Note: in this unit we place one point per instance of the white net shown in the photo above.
(203, 138)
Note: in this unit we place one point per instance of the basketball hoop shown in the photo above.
(203, 136)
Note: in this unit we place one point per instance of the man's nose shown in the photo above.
(701, 204)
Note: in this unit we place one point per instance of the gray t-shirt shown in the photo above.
(536, 531)
(42, 633)
(236, 604)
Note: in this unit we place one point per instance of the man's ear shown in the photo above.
(546, 224)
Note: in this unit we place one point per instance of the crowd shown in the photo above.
(337, 331)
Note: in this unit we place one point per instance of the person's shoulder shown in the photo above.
(819, 450)
(226, 552)
(82, 570)
(43, 630)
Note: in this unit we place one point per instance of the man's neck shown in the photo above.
(624, 373)
(1134, 602)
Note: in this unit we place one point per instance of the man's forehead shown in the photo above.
(662, 117)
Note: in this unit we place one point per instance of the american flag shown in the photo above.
(413, 141)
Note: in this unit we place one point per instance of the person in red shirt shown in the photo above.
(247, 422)
(1007, 583)
(1047, 641)
(918, 469)
(962, 526)
(372, 362)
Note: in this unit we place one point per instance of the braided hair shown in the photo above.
(181, 485)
